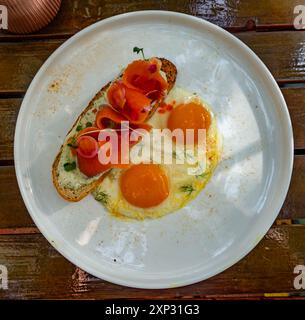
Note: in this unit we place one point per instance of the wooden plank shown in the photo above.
(282, 52)
(20, 61)
(268, 14)
(36, 270)
(232, 15)
(295, 99)
(294, 203)
(9, 109)
(13, 213)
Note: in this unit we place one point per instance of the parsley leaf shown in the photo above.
(69, 166)
(72, 143)
(202, 175)
(102, 197)
(187, 188)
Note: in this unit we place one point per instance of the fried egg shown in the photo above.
(153, 189)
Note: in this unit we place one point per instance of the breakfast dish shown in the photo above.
(152, 190)
(219, 226)
(74, 174)
(146, 97)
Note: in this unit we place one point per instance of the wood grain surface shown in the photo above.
(230, 14)
(9, 108)
(37, 270)
(13, 213)
(19, 61)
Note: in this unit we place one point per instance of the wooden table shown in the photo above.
(35, 268)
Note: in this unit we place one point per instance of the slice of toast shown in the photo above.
(75, 193)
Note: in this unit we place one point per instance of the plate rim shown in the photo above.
(137, 283)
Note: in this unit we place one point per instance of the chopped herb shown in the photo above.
(138, 50)
(79, 127)
(88, 124)
(69, 166)
(201, 175)
(187, 188)
(111, 175)
(72, 143)
(102, 197)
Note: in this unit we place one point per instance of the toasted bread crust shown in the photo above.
(76, 195)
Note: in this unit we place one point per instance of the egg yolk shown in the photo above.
(144, 185)
(191, 115)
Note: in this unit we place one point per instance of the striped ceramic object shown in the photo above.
(30, 15)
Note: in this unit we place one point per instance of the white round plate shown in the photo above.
(231, 214)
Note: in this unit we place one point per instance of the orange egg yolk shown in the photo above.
(191, 115)
(144, 185)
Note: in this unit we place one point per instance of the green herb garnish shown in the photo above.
(72, 143)
(88, 124)
(187, 188)
(102, 197)
(79, 127)
(202, 175)
(138, 50)
(69, 166)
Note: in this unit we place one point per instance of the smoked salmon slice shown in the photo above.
(131, 103)
(141, 85)
(106, 117)
(87, 156)
(145, 76)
